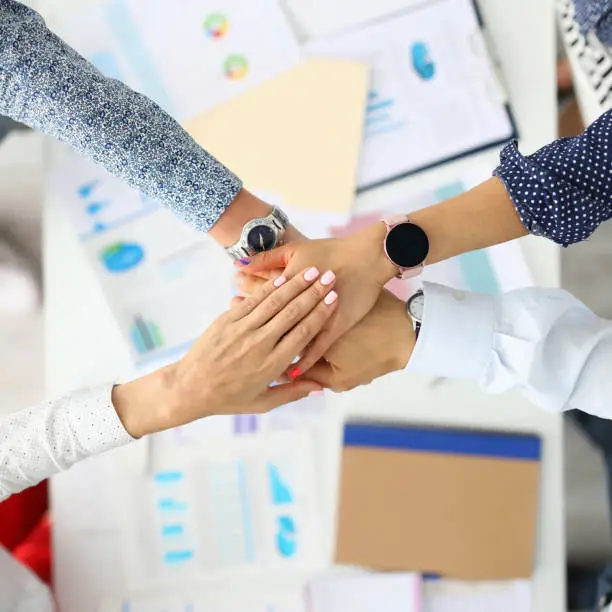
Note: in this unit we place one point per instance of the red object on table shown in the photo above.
(25, 529)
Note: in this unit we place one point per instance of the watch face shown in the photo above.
(261, 238)
(416, 306)
(407, 245)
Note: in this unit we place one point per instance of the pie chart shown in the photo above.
(235, 67)
(216, 25)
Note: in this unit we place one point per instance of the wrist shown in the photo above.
(371, 241)
(148, 404)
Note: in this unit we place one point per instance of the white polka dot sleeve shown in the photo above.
(38, 442)
(564, 190)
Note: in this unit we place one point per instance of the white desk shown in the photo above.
(84, 346)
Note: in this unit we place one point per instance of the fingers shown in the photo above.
(290, 392)
(302, 333)
(291, 302)
(330, 377)
(317, 349)
(268, 260)
(242, 307)
(249, 285)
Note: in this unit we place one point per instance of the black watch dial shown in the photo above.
(407, 245)
(261, 238)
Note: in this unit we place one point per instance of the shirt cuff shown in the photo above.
(94, 422)
(456, 336)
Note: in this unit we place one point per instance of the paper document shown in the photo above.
(433, 93)
(226, 506)
(455, 596)
(395, 592)
(164, 283)
(188, 57)
(216, 599)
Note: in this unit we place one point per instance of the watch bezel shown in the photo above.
(399, 227)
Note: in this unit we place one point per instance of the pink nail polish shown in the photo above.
(318, 393)
(311, 274)
(295, 373)
(328, 278)
(330, 298)
(281, 280)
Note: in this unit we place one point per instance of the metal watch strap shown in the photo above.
(240, 248)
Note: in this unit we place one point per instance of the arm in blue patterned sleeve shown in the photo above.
(47, 85)
(564, 190)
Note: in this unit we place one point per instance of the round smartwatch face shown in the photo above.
(261, 238)
(407, 245)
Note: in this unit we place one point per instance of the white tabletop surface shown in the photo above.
(84, 347)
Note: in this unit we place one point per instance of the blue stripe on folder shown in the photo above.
(447, 441)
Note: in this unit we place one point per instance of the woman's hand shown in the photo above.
(361, 270)
(230, 367)
(381, 343)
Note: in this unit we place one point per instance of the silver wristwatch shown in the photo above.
(261, 234)
(415, 307)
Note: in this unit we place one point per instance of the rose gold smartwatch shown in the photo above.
(406, 246)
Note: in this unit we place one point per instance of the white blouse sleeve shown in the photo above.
(541, 342)
(38, 442)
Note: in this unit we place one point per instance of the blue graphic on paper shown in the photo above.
(121, 257)
(421, 61)
(285, 536)
(279, 489)
(85, 191)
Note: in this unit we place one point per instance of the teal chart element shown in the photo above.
(286, 536)
(421, 61)
(121, 256)
(279, 490)
(146, 335)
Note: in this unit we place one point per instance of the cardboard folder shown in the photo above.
(298, 135)
(458, 503)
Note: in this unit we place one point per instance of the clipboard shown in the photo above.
(435, 95)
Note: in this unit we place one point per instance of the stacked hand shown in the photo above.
(370, 334)
(230, 367)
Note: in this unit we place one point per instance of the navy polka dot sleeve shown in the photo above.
(564, 190)
(47, 85)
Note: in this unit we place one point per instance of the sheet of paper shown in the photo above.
(209, 600)
(455, 596)
(401, 592)
(433, 93)
(164, 282)
(320, 17)
(494, 270)
(187, 56)
(297, 136)
(227, 506)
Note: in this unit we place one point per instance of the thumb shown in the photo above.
(268, 260)
(322, 373)
(279, 395)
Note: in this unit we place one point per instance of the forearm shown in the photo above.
(478, 218)
(47, 85)
(38, 442)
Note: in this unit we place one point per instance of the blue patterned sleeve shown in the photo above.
(564, 190)
(47, 85)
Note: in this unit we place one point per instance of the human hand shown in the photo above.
(230, 367)
(361, 271)
(381, 343)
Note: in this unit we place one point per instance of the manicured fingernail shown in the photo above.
(311, 274)
(330, 298)
(281, 280)
(295, 373)
(328, 278)
(318, 393)
(242, 262)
